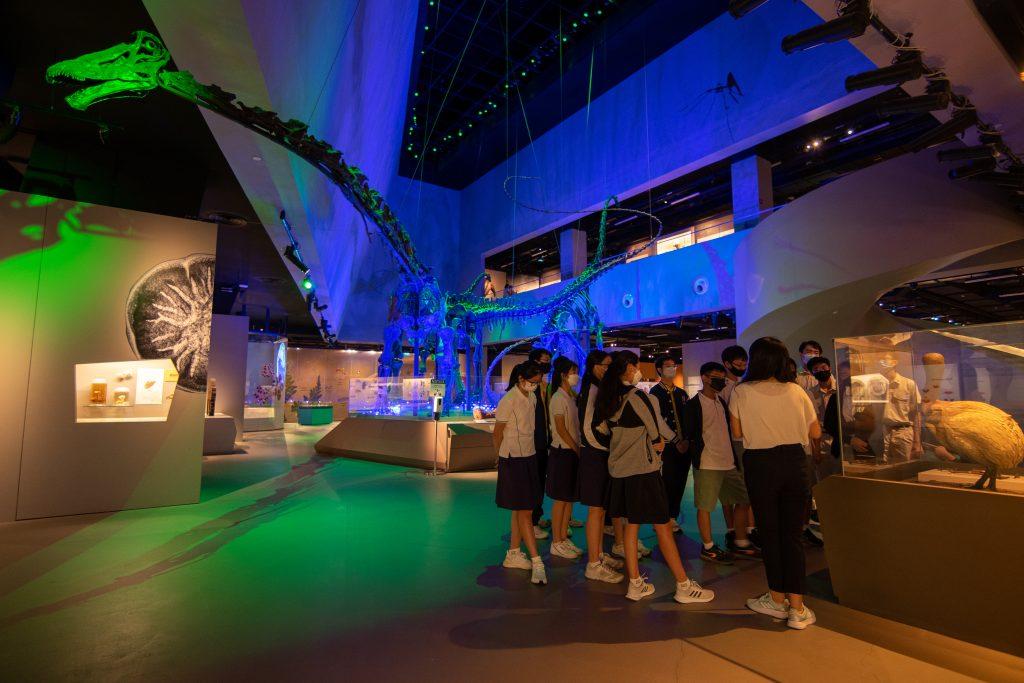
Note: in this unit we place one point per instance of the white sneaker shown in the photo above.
(539, 575)
(539, 533)
(619, 549)
(561, 549)
(575, 523)
(516, 559)
(579, 550)
(610, 561)
(690, 591)
(801, 621)
(598, 571)
(674, 526)
(609, 531)
(641, 549)
(639, 588)
(765, 605)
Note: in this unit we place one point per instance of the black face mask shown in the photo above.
(545, 368)
(717, 383)
(822, 375)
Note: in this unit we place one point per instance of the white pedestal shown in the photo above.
(219, 435)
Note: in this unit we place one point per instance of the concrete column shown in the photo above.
(751, 191)
(572, 252)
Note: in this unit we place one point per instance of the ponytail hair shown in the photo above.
(527, 368)
(610, 390)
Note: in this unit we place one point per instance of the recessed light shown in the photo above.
(256, 157)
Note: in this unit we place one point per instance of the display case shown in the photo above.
(938, 407)
(124, 391)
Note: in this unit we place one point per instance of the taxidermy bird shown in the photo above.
(982, 432)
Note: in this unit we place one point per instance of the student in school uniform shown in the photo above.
(777, 422)
(564, 455)
(518, 480)
(592, 477)
(638, 436)
(675, 459)
(541, 435)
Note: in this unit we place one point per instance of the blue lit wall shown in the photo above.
(658, 121)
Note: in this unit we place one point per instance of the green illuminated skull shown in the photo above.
(124, 70)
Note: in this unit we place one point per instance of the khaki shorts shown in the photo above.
(712, 486)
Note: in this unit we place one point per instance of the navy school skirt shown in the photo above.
(518, 483)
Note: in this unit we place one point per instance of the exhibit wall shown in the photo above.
(229, 339)
(107, 424)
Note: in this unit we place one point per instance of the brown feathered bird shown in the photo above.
(982, 432)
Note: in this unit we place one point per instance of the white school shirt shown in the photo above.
(562, 404)
(717, 453)
(518, 413)
(772, 413)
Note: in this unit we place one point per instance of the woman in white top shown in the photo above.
(564, 455)
(776, 420)
(518, 478)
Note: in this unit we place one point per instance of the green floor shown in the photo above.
(294, 565)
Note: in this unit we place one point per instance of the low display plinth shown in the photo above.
(459, 445)
(219, 434)
(315, 414)
(894, 547)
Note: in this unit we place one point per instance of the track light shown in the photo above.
(852, 22)
(957, 124)
(973, 169)
(908, 67)
(292, 254)
(738, 8)
(936, 98)
(978, 152)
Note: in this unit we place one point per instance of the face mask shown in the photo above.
(545, 368)
(808, 357)
(822, 375)
(668, 373)
(736, 369)
(530, 387)
(632, 381)
(717, 383)
(574, 380)
(887, 364)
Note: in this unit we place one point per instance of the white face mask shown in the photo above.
(634, 380)
(887, 364)
(807, 357)
(574, 380)
(668, 373)
(530, 387)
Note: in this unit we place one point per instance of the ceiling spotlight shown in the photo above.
(849, 131)
(957, 124)
(852, 22)
(292, 254)
(978, 152)
(816, 143)
(936, 99)
(738, 8)
(973, 169)
(908, 67)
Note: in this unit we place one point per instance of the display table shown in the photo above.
(315, 414)
(894, 548)
(219, 435)
(460, 445)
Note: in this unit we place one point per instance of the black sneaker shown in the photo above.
(754, 537)
(811, 538)
(716, 555)
(749, 551)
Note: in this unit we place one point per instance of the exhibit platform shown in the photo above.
(458, 443)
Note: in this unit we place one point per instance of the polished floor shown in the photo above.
(296, 567)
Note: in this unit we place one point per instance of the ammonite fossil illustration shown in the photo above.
(168, 315)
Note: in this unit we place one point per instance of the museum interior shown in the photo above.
(328, 328)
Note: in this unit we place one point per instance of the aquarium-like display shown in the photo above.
(939, 407)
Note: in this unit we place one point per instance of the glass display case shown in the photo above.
(938, 407)
(124, 391)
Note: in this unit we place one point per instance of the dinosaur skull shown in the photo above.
(124, 70)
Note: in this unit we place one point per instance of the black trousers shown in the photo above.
(542, 466)
(675, 468)
(778, 484)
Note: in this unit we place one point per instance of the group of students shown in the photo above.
(625, 454)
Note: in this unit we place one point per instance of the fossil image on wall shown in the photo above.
(168, 315)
